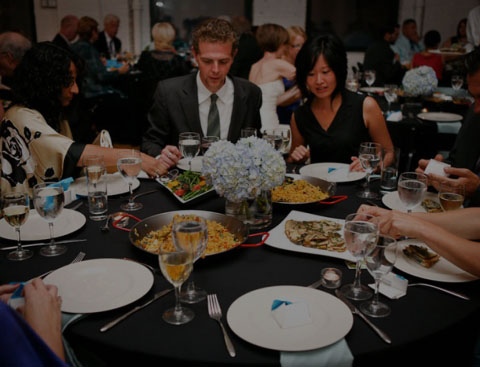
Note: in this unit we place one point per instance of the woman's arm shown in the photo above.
(298, 152)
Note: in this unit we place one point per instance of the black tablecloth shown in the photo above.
(426, 326)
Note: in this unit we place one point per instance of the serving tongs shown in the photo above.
(169, 176)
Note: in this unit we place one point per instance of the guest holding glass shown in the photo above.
(36, 139)
(183, 104)
(333, 122)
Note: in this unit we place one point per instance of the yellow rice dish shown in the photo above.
(298, 191)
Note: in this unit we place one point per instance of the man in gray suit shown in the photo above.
(183, 104)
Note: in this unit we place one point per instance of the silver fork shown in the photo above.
(215, 312)
(80, 256)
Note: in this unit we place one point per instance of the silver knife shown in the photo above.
(356, 311)
(133, 310)
(43, 244)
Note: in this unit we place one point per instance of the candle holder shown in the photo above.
(331, 278)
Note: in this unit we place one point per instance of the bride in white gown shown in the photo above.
(268, 72)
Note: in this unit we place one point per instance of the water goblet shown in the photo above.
(457, 82)
(189, 232)
(48, 200)
(285, 133)
(361, 235)
(411, 188)
(273, 139)
(15, 209)
(379, 263)
(451, 196)
(176, 265)
(129, 164)
(370, 156)
(248, 131)
(96, 168)
(390, 93)
(206, 142)
(189, 145)
(369, 76)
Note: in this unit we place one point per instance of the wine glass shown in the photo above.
(390, 93)
(189, 232)
(379, 263)
(129, 165)
(189, 145)
(369, 76)
(96, 168)
(457, 82)
(411, 188)
(370, 156)
(273, 139)
(285, 133)
(48, 200)
(15, 209)
(248, 131)
(176, 265)
(361, 235)
(451, 197)
(206, 142)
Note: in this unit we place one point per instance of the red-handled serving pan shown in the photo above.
(158, 221)
(326, 186)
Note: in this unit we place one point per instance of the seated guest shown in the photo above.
(268, 72)
(465, 154)
(108, 44)
(408, 42)
(35, 142)
(31, 335)
(380, 57)
(426, 57)
(333, 122)
(182, 104)
(460, 38)
(68, 31)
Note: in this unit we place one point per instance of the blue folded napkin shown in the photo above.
(337, 354)
(65, 183)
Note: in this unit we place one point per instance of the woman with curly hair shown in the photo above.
(36, 143)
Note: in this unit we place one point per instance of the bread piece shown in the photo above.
(421, 255)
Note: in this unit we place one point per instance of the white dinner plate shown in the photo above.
(36, 228)
(440, 116)
(279, 239)
(392, 201)
(116, 185)
(100, 284)
(442, 271)
(196, 164)
(333, 172)
(251, 319)
(378, 90)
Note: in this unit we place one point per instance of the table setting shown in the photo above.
(259, 289)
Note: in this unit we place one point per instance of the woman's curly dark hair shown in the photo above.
(39, 78)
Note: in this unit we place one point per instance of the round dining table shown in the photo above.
(426, 326)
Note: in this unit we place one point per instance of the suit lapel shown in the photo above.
(189, 103)
(238, 111)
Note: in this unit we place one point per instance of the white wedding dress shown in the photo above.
(268, 111)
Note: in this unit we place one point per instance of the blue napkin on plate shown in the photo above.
(337, 354)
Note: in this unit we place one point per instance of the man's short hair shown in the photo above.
(214, 30)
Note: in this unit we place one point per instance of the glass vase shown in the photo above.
(255, 212)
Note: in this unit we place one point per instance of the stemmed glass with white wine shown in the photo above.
(457, 82)
(189, 232)
(176, 264)
(451, 196)
(379, 263)
(189, 145)
(129, 164)
(361, 235)
(15, 209)
(369, 76)
(411, 188)
(370, 156)
(390, 93)
(48, 200)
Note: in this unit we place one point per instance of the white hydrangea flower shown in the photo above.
(420, 81)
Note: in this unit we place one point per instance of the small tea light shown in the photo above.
(331, 278)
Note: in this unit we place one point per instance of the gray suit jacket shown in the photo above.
(175, 110)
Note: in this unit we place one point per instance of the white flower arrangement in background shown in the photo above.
(420, 81)
(240, 171)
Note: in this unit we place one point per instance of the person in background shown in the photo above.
(292, 98)
(183, 103)
(108, 44)
(450, 234)
(269, 71)
(426, 57)
(333, 122)
(13, 46)
(248, 50)
(31, 335)
(465, 154)
(408, 42)
(380, 57)
(460, 38)
(68, 31)
(35, 140)
(473, 27)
